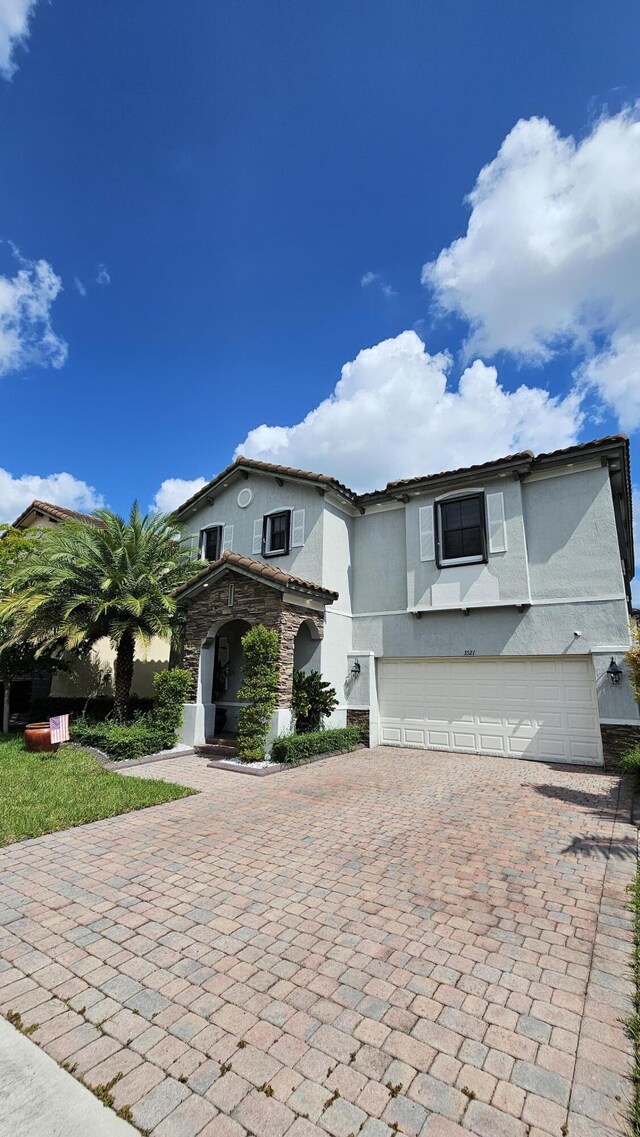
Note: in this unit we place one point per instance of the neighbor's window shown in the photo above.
(211, 543)
(275, 534)
(461, 530)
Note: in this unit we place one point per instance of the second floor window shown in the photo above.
(211, 543)
(461, 530)
(275, 534)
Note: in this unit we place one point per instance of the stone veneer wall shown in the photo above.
(616, 740)
(361, 720)
(257, 603)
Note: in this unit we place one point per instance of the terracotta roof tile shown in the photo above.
(58, 513)
(257, 569)
(268, 468)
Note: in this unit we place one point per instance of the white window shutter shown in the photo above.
(427, 543)
(195, 542)
(257, 536)
(297, 528)
(495, 523)
(227, 538)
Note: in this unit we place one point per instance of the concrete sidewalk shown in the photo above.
(39, 1098)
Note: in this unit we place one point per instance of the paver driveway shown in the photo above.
(391, 941)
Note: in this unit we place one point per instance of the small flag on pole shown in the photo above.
(59, 728)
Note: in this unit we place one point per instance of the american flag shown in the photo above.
(59, 728)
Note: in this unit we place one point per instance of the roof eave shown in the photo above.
(243, 468)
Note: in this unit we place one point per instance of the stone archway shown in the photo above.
(306, 647)
(227, 674)
(248, 595)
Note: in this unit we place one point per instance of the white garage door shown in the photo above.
(519, 708)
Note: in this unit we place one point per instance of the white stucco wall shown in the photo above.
(268, 497)
(571, 536)
(561, 564)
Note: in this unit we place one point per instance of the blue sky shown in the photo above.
(210, 209)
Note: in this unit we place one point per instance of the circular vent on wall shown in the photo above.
(245, 497)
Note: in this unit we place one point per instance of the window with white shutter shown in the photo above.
(427, 542)
(297, 528)
(496, 523)
(257, 536)
(227, 539)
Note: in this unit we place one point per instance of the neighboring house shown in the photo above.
(474, 610)
(93, 674)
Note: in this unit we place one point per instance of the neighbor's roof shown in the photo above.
(324, 481)
(57, 513)
(256, 569)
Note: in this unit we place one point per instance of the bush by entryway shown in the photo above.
(148, 733)
(292, 748)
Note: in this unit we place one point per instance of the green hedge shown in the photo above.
(148, 733)
(120, 740)
(260, 648)
(96, 709)
(292, 748)
(630, 762)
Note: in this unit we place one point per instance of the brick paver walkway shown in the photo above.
(393, 941)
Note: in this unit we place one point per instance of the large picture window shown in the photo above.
(461, 530)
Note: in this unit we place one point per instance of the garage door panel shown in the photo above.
(492, 742)
(528, 708)
(576, 722)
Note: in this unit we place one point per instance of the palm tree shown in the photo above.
(78, 583)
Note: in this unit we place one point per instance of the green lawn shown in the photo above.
(40, 793)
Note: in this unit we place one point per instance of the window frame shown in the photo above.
(477, 558)
(267, 523)
(219, 528)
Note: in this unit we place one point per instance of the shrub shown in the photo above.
(630, 762)
(261, 647)
(313, 699)
(94, 708)
(171, 688)
(119, 740)
(292, 748)
(633, 659)
(148, 733)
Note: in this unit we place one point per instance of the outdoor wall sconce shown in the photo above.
(356, 669)
(614, 672)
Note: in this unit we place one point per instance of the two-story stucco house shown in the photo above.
(474, 610)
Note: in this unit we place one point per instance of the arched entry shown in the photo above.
(227, 673)
(306, 647)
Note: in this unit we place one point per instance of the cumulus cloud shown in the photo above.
(173, 491)
(58, 489)
(103, 277)
(551, 252)
(393, 414)
(26, 334)
(14, 30)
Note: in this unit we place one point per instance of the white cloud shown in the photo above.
(173, 491)
(550, 257)
(392, 415)
(79, 286)
(58, 489)
(26, 334)
(371, 278)
(103, 276)
(14, 30)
